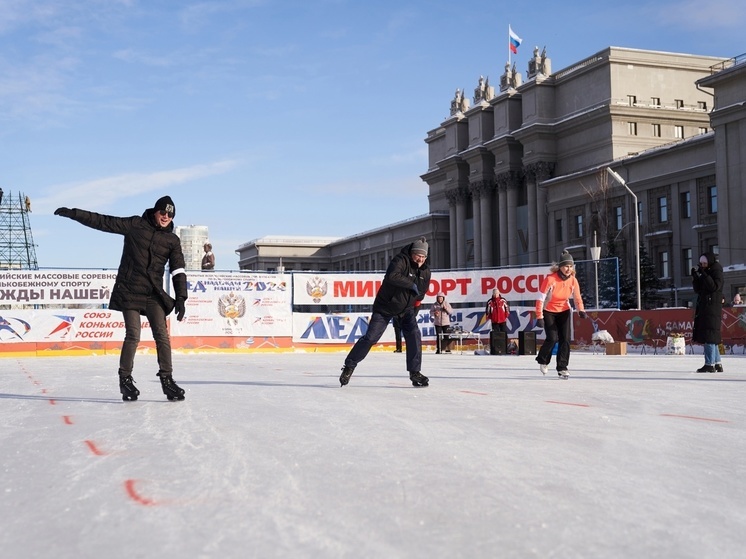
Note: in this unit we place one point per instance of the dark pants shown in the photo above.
(132, 320)
(557, 329)
(376, 327)
(500, 327)
(441, 342)
(397, 332)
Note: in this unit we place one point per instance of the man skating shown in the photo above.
(405, 283)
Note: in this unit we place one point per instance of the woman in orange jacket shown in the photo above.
(553, 313)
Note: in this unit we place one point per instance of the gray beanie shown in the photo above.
(565, 259)
(419, 247)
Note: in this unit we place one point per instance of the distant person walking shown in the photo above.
(208, 260)
(406, 281)
(554, 314)
(149, 244)
(707, 281)
(498, 311)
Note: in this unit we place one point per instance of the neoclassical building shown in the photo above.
(517, 175)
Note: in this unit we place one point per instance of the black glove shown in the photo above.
(582, 314)
(695, 272)
(64, 212)
(414, 288)
(540, 323)
(180, 309)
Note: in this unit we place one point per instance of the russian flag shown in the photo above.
(515, 41)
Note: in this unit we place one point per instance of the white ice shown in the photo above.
(634, 456)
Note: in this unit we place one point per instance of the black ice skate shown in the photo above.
(418, 379)
(172, 390)
(127, 388)
(344, 378)
(563, 373)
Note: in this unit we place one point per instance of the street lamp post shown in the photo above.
(620, 180)
(596, 255)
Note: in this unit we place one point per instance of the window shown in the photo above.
(663, 210)
(558, 230)
(639, 213)
(631, 100)
(632, 128)
(663, 264)
(702, 105)
(712, 199)
(678, 132)
(657, 130)
(578, 226)
(685, 204)
(686, 260)
(702, 130)
(679, 103)
(655, 101)
(618, 218)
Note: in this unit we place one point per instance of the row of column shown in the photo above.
(499, 238)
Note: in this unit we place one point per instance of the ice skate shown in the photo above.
(344, 378)
(172, 390)
(706, 369)
(563, 373)
(718, 367)
(543, 369)
(127, 388)
(418, 379)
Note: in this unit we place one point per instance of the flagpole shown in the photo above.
(509, 51)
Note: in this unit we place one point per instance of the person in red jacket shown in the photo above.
(553, 313)
(498, 311)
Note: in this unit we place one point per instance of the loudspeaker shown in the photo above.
(498, 343)
(526, 343)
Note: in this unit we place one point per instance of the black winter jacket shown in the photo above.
(396, 293)
(708, 285)
(147, 250)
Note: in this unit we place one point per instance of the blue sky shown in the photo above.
(264, 117)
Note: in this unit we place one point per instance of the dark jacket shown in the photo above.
(708, 285)
(396, 293)
(147, 250)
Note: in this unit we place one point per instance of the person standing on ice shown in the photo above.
(149, 244)
(553, 313)
(707, 281)
(404, 286)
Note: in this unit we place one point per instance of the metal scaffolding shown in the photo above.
(17, 248)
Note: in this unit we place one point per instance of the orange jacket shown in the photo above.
(555, 294)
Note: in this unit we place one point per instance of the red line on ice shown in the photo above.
(477, 393)
(94, 449)
(695, 417)
(67, 419)
(129, 486)
(568, 404)
(52, 402)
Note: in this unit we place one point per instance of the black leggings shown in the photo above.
(557, 329)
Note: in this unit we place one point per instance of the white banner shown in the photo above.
(347, 328)
(236, 304)
(57, 287)
(466, 286)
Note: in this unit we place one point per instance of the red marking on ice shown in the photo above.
(52, 402)
(477, 393)
(67, 419)
(695, 417)
(568, 404)
(43, 390)
(94, 449)
(129, 486)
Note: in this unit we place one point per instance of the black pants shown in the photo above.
(376, 327)
(441, 342)
(557, 329)
(500, 327)
(397, 332)
(132, 322)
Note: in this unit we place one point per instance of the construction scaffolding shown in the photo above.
(17, 248)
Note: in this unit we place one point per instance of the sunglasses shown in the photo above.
(164, 213)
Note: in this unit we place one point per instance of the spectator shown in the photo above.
(707, 281)
(440, 313)
(498, 311)
(208, 260)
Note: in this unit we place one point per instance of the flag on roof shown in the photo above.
(515, 41)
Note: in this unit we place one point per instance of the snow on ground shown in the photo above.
(633, 456)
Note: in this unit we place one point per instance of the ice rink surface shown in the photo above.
(634, 456)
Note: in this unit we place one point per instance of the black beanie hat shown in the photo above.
(167, 205)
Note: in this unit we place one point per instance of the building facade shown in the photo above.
(193, 239)
(520, 175)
